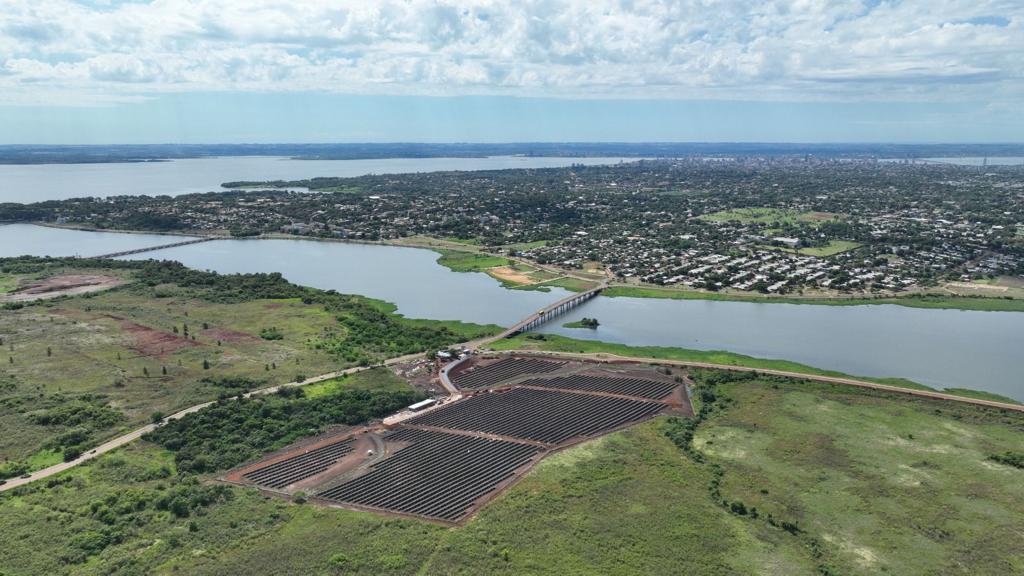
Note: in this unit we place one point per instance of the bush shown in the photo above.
(235, 430)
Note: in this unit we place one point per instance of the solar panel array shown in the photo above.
(292, 470)
(639, 387)
(501, 371)
(439, 475)
(548, 416)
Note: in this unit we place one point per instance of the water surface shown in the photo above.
(940, 348)
(38, 182)
(27, 239)
(408, 277)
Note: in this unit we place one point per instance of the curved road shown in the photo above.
(138, 433)
(603, 357)
(599, 357)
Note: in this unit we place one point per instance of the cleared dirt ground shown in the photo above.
(62, 285)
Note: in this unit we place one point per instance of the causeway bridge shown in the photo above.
(548, 313)
(160, 247)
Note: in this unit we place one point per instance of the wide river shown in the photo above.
(940, 348)
(38, 182)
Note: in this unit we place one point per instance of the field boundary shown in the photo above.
(615, 358)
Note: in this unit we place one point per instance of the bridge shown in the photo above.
(152, 248)
(544, 315)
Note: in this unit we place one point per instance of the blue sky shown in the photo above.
(536, 70)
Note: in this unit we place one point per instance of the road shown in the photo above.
(138, 433)
(452, 391)
(518, 326)
(603, 357)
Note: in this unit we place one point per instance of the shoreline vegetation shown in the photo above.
(468, 256)
(556, 343)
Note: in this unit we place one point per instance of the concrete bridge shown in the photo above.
(544, 315)
(152, 248)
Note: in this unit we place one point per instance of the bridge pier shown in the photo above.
(557, 309)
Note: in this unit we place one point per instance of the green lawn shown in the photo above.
(459, 261)
(834, 247)
(524, 246)
(571, 284)
(982, 303)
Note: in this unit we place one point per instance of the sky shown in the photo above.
(207, 71)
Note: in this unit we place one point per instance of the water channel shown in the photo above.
(38, 182)
(940, 348)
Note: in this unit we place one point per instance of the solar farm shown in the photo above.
(445, 462)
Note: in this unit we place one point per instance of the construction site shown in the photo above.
(444, 458)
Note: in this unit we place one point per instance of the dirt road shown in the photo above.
(602, 357)
(138, 433)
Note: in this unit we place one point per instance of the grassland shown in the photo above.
(373, 379)
(460, 261)
(866, 483)
(875, 484)
(831, 249)
(940, 301)
(79, 370)
(556, 343)
(569, 283)
(123, 346)
(8, 282)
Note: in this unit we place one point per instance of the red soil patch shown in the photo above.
(62, 285)
(150, 342)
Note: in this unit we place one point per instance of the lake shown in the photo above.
(968, 160)
(27, 239)
(38, 182)
(940, 348)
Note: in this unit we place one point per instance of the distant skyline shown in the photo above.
(205, 71)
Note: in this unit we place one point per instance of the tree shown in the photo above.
(156, 417)
(206, 364)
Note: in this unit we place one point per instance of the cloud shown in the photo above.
(735, 49)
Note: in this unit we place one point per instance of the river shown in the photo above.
(940, 348)
(38, 182)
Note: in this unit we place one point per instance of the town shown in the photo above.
(781, 225)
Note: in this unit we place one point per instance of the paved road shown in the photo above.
(602, 357)
(136, 434)
(518, 326)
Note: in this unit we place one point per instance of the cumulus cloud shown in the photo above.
(736, 49)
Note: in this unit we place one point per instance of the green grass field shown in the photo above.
(459, 261)
(373, 379)
(981, 303)
(119, 344)
(876, 484)
(570, 284)
(872, 482)
(80, 370)
(834, 247)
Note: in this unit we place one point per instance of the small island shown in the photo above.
(591, 323)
